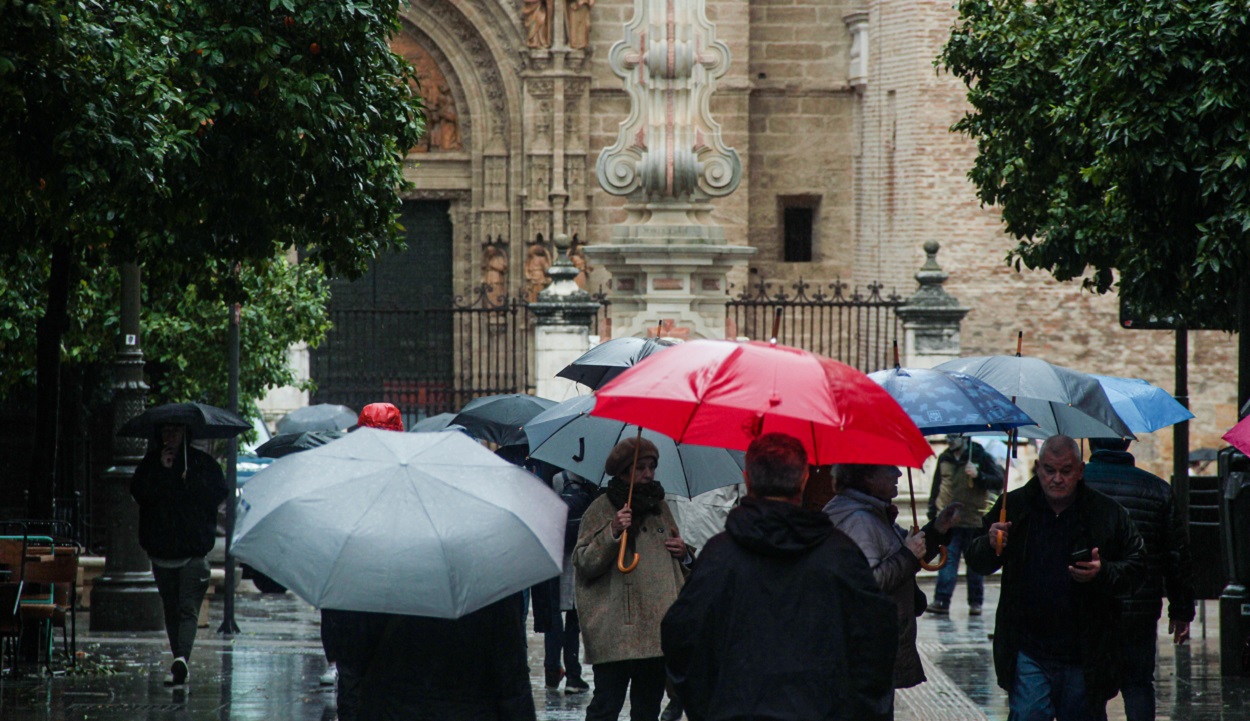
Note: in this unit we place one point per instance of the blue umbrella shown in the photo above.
(946, 402)
(1143, 407)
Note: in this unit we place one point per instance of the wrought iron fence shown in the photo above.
(855, 328)
(426, 361)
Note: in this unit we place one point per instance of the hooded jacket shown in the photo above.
(1101, 524)
(178, 516)
(781, 619)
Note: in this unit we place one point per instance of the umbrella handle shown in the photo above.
(620, 556)
(940, 562)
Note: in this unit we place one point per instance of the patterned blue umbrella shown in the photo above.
(942, 402)
(1144, 408)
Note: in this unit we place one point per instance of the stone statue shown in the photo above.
(578, 259)
(445, 133)
(579, 23)
(537, 261)
(494, 274)
(537, 15)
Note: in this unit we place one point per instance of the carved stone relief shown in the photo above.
(537, 261)
(538, 17)
(494, 279)
(577, 22)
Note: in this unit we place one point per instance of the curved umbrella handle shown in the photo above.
(935, 566)
(620, 556)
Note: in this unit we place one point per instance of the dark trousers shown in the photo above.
(347, 696)
(643, 678)
(961, 539)
(182, 592)
(563, 639)
(1137, 670)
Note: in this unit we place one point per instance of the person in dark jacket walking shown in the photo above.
(1067, 552)
(178, 489)
(1169, 568)
(781, 618)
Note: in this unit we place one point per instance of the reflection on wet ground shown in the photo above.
(271, 670)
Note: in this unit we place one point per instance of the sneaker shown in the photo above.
(331, 676)
(939, 608)
(974, 610)
(178, 672)
(575, 685)
(553, 678)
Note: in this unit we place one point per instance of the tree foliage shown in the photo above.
(1113, 137)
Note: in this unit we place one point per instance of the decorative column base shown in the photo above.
(564, 313)
(125, 597)
(931, 317)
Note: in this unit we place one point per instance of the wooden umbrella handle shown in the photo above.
(1012, 435)
(620, 555)
(915, 527)
(941, 557)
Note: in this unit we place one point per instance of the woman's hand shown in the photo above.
(915, 544)
(676, 547)
(623, 519)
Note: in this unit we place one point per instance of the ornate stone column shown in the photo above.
(125, 597)
(564, 313)
(931, 317)
(669, 260)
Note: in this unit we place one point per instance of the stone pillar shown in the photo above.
(125, 597)
(931, 317)
(564, 313)
(669, 260)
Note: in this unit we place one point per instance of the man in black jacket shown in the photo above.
(1066, 552)
(781, 618)
(178, 489)
(1169, 568)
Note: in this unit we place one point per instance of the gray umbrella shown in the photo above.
(1060, 399)
(568, 437)
(319, 417)
(609, 359)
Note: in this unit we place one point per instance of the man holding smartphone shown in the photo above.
(1066, 552)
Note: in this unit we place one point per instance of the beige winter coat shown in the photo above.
(620, 613)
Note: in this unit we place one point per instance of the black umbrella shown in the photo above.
(320, 417)
(609, 359)
(499, 418)
(202, 421)
(434, 423)
(287, 443)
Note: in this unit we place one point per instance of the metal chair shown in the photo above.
(44, 570)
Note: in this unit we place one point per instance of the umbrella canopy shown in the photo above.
(599, 365)
(438, 422)
(568, 437)
(285, 444)
(319, 417)
(1143, 407)
(726, 394)
(428, 524)
(201, 421)
(499, 419)
(1239, 435)
(943, 402)
(1061, 400)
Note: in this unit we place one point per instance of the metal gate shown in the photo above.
(854, 328)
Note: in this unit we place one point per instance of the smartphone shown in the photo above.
(1082, 556)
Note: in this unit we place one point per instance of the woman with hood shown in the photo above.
(178, 489)
(862, 509)
(620, 612)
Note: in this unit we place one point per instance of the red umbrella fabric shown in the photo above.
(1239, 436)
(725, 394)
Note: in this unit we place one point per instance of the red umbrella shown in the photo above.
(725, 394)
(1238, 436)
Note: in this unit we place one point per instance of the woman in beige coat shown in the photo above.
(621, 612)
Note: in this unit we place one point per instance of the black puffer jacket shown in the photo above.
(1150, 503)
(178, 516)
(1102, 524)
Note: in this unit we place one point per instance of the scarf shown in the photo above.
(647, 496)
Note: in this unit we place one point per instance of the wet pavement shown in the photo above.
(270, 671)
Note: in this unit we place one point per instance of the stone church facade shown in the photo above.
(840, 120)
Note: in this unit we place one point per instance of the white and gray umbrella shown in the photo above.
(568, 437)
(426, 524)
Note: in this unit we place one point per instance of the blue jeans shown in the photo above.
(1137, 670)
(563, 640)
(1050, 691)
(961, 538)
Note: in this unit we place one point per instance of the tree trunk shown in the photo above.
(48, 334)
